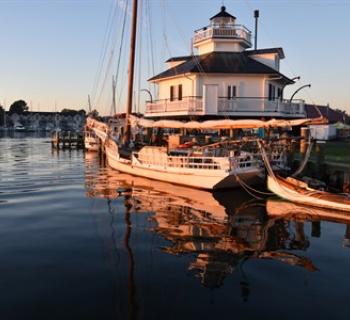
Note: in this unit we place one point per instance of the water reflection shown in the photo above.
(219, 231)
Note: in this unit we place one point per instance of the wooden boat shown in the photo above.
(278, 208)
(298, 191)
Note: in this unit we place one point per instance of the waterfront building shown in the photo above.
(333, 115)
(73, 120)
(224, 78)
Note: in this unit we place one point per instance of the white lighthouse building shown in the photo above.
(224, 78)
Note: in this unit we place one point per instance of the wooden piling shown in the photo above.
(67, 140)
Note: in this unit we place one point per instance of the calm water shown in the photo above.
(79, 241)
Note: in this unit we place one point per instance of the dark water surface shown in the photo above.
(80, 241)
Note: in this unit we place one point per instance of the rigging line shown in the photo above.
(121, 42)
(112, 42)
(139, 60)
(109, 64)
(150, 41)
(269, 35)
(106, 76)
(103, 45)
(122, 81)
(164, 29)
(179, 30)
(195, 57)
(103, 53)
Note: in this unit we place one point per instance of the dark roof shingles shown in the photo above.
(223, 14)
(220, 62)
(333, 116)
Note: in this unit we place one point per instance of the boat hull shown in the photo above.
(201, 179)
(278, 208)
(294, 196)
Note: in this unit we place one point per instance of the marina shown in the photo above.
(76, 233)
(209, 180)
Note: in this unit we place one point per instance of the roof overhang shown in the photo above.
(278, 51)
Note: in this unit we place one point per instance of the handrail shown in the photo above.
(229, 26)
(175, 99)
(218, 31)
(221, 97)
(197, 162)
(194, 104)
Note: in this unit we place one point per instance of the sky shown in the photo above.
(54, 53)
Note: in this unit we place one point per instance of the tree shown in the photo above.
(69, 111)
(93, 114)
(2, 116)
(19, 106)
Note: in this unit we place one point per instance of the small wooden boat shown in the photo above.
(278, 208)
(298, 191)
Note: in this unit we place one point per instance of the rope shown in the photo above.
(251, 188)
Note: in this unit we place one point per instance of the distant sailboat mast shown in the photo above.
(127, 130)
(89, 101)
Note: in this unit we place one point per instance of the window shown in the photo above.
(271, 92)
(176, 92)
(172, 93)
(179, 93)
(231, 92)
(279, 93)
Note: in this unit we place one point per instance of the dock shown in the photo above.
(67, 140)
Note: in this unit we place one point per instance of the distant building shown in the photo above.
(223, 78)
(47, 120)
(333, 115)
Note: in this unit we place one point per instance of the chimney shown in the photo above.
(256, 16)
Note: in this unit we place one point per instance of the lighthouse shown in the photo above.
(222, 34)
(224, 78)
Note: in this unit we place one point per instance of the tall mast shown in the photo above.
(114, 85)
(131, 73)
(89, 103)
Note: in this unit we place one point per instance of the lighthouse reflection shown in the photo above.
(220, 232)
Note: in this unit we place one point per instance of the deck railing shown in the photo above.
(180, 162)
(256, 104)
(189, 104)
(216, 31)
(194, 105)
(198, 162)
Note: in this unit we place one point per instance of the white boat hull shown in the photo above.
(201, 179)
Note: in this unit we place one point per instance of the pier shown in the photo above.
(67, 140)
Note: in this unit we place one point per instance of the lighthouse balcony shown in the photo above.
(234, 31)
(222, 106)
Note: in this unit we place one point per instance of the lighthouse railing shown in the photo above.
(219, 31)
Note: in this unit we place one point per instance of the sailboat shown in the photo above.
(214, 165)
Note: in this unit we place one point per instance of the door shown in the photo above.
(210, 96)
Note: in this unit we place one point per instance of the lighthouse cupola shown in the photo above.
(223, 19)
(222, 34)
